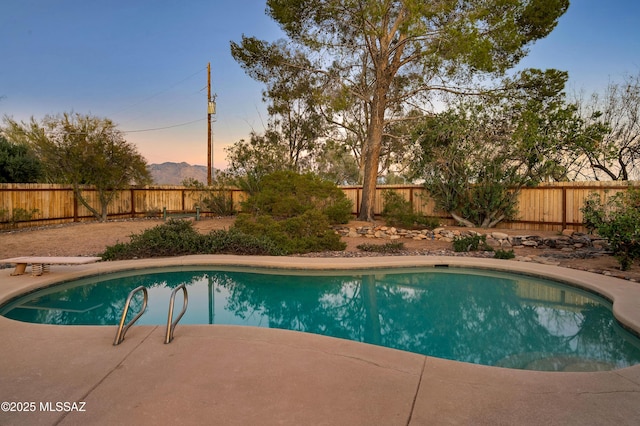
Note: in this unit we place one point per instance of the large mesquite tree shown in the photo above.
(476, 156)
(83, 150)
(390, 54)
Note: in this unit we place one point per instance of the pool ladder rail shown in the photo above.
(171, 324)
(122, 328)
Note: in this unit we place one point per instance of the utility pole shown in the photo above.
(209, 147)
(211, 110)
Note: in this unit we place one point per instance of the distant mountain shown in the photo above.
(175, 173)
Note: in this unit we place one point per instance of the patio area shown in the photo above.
(243, 375)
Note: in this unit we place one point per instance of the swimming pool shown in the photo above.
(480, 317)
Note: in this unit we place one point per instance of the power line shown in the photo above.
(163, 128)
(158, 93)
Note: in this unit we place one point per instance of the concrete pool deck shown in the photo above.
(244, 376)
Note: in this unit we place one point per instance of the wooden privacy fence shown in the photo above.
(547, 207)
(41, 204)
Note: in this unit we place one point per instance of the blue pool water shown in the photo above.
(480, 317)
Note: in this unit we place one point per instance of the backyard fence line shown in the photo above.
(546, 207)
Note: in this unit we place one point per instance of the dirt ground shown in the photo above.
(91, 239)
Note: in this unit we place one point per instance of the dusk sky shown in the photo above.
(142, 63)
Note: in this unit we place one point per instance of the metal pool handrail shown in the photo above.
(122, 329)
(171, 325)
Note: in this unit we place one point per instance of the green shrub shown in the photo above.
(262, 225)
(295, 211)
(399, 212)
(219, 202)
(17, 215)
(286, 194)
(393, 247)
(119, 251)
(233, 241)
(308, 232)
(471, 243)
(618, 220)
(504, 254)
(428, 222)
(179, 238)
(216, 198)
(173, 238)
(338, 210)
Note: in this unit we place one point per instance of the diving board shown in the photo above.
(40, 264)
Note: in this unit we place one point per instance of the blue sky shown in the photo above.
(143, 64)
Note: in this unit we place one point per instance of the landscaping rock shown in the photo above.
(570, 244)
(499, 236)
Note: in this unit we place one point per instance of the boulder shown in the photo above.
(499, 235)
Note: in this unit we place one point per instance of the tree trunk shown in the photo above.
(78, 193)
(105, 197)
(369, 186)
(372, 156)
(103, 216)
(462, 221)
(386, 53)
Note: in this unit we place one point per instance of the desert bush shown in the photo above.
(219, 203)
(471, 243)
(233, 241)
(216, 198)
(295, 211)
(429, 222)
(391, 247)
(179, 238)
(262, 225)
(504, 254)
(308, 232)
(399, 212)
(17, 215)
(173, 238)
(617, 220)
(286, 194)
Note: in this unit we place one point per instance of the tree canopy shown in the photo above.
(477, 155)
(83, 150)
(392, 55)
(617, 113)
(18, 164)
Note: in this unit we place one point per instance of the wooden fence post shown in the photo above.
(75, 206)
(564, 207)
(133, 203)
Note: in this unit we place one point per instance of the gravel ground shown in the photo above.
(91, 239)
